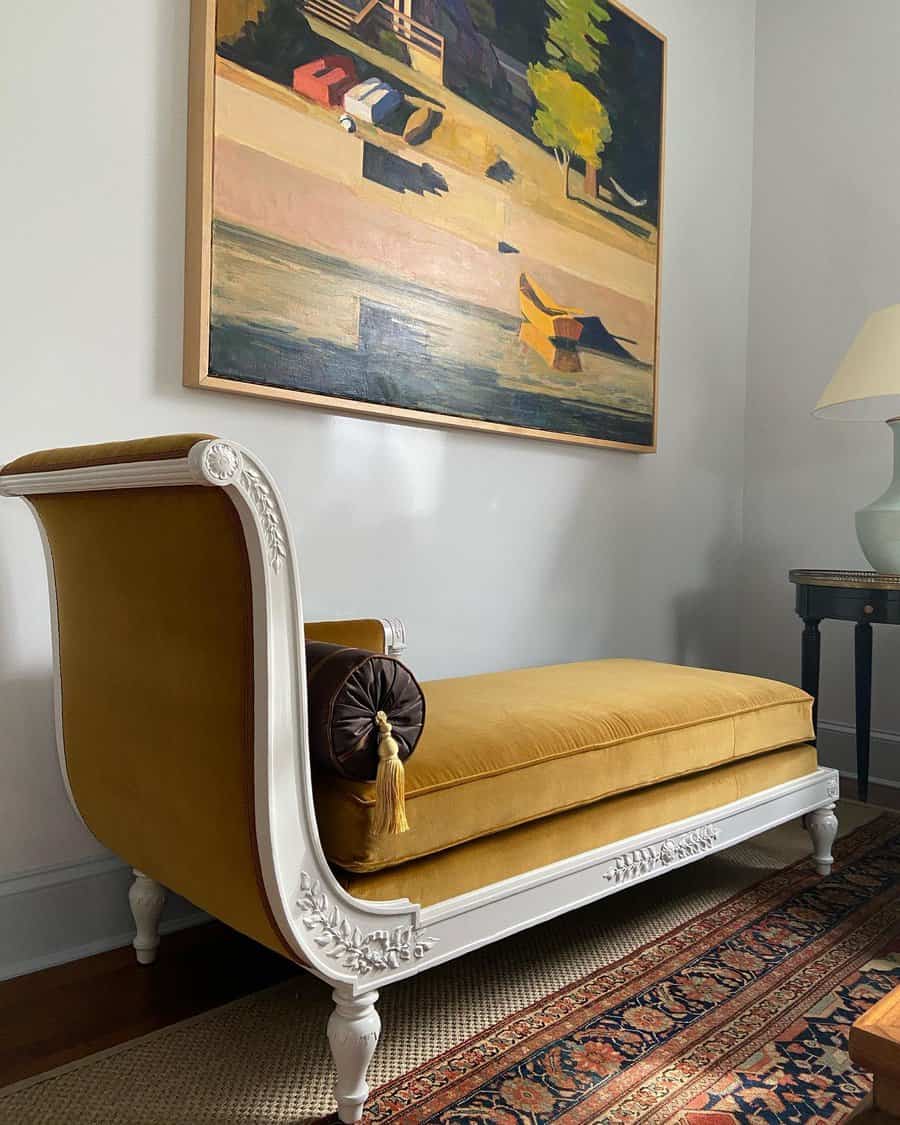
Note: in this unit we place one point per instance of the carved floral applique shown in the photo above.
(360, 952)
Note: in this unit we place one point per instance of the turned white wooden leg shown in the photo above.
(822, 825)
(146, 898)
(353, 1031)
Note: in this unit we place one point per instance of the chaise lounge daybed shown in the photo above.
(182, 720)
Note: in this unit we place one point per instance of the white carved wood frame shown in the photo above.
(346, 941)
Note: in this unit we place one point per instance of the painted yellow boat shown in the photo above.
(558, 357)
(554, 321)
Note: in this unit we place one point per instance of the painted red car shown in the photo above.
(325, 80)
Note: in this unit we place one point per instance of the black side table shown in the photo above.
(860, 596)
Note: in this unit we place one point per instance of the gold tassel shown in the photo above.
(390, 784)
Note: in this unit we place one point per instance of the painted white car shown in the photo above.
(372, 100)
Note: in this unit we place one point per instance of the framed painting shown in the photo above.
(438, 211)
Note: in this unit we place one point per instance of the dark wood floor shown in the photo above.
(62, 1014)
(878, 794)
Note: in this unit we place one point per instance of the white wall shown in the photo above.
(497, 551)
(826, 248)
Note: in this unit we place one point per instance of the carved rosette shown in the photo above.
(221, 462)
(360, 952)
(657, 857)
(833, 788)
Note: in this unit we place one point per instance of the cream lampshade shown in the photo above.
(866, 388)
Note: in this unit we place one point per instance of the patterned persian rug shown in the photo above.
(740, 1015)
(716, 994)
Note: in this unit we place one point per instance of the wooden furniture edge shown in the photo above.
(875, 1037)
(850, 579)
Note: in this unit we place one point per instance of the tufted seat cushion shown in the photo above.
(508, 748)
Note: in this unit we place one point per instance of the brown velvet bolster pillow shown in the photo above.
(347, 688)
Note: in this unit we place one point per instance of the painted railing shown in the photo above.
(407, 29)
(383, 14)
(334, 12)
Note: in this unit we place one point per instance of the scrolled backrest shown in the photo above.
(154, 619)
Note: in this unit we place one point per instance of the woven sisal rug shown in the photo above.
(716, 994)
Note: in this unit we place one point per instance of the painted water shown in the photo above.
(289, 317)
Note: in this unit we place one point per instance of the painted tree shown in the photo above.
(569, 119)
(575, 36)
(279, 39)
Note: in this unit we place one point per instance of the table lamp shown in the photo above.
(866, 388)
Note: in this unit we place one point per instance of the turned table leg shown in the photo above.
(863, 672)
(353, 1031)
(809, 666)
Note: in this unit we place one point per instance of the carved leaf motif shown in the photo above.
(642, 861)
(264, 502)
(360, 952)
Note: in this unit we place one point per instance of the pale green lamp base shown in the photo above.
(878, 525)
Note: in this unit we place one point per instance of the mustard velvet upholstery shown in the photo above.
(517, 850)
(365, 633)
(155, 646)
(168, 447)
(514, 770)
(502, 749)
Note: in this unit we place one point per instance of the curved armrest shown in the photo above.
(128, 502)
(385, 635)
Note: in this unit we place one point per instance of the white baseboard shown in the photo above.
(837, 748)
(60, 913)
